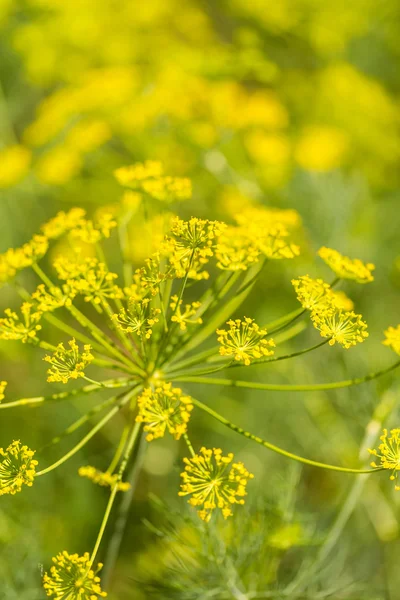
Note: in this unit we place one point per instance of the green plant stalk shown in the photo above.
(87, 389)
(286, 387)
(276, 449)
(89, 436)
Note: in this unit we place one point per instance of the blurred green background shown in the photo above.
(293, 104)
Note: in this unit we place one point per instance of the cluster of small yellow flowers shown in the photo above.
(214, 482)
(62, 222)
(3, 385)
(389, 453)
(72, 578)
(268, 233)
(183, 318)
(12, 327)
(16, 259)
(52, 298)
(164, 408)
(17, 467)
(196, 233)
(91, 232)
(344, 327)
(105, 479)
(149, 277)
(139, 318)
(345, 267)
(244, 340)
(89, 278)
(148, 177)
(235, 250)
(317, 295)
(392, 335)
(68, 364)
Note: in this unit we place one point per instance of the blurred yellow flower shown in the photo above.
(321, 148)
(14, 164)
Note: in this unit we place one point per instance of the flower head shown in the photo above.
(24, 328)
(49, 299)
(3, 385)
(389, 453)
(89, 278)
(214, 482)
(345, 267)
(17, 467)
(72, 578)
(139, 318)
(63, 222)
(269, 231)
(164, 408)
(316, 294)
(392, 335)
(196, 233)
(245, 341)
(105, 479)
(16, 259)
(235, 250)
(148, 177)
(184, 317)
(344, 327)
(68, 364)
(90, 232)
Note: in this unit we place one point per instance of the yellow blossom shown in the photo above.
(389, 453)
(214, 482)
(63, 222)
(17, 467)
(165, 408)
(49, 299)
(139, 318)
(345, 267)
(24, 328)
(321, 148)
(316, 294)
(105, 479)
(14, 164)
(16, 259)
(183, 318)
(3, 385)
(72, 578)
(392, 338)
(269, 233)
(344, 327)
(245, 341)
(89, 278)
(196, 234)
(68, 364)
(149, 177)
(235, 250)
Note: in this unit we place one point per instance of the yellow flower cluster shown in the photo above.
(68, 364)
(139, 318)
(183, 318)
(344, 327)
(164, 408)
(235, 250)
(89, 278)
(72, 578)
(63, 222)
(3, 385)
(213, 482)
(196, 234)
(52, 298)
(389, 453)
(24, 328)
(17, 468)
(392, 338)
(105, 479)
(345, 267)
(316, 294)
(245, 341)
(16, 259)
(149, 177)
(269, 232)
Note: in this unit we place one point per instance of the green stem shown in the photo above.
(120, 449)
(274, 448)
(130, 445)
(89, 436)
(87, 389)
(189, 444)
(286, 388)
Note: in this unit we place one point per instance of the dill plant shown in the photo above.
(148, 330)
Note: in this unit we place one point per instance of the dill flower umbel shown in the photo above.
(3, 385)
(345, 267)
(68, 364)
(344, 327)
(148, 177)
(316, 294)
(196, 233)
(392, 335)
(90, 278)
(184, 317)
(72, 578)
(12, 327)
(268, 232)
(389, 453)
(235, 250)
(17, 468)
(214, 482)
(244, 340)
(139, 318)
(104, 479)
(49, 299)
(164, 408)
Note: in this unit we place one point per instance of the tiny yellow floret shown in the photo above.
(69, 363)
(245, 341)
